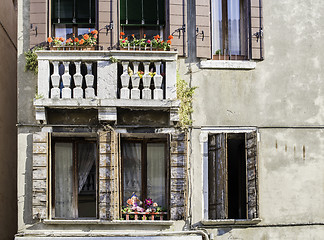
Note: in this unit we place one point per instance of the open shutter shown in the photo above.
(38, 18)
(40, 176)
(107, 14)
(203, 43)
(108, 176)
(256, 30)
(178, 191)
(251, 173)
(177, 16)
(212, 183)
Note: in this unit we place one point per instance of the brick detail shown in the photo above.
(108, 176)
(178, 178)
(40, 176)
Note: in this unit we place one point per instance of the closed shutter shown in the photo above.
(177, 16)
(40, 174)
(203, 42)
(251, 173)
(38, 18)
(256, 29)
(108, 176)
(108, 13)
(178, 165)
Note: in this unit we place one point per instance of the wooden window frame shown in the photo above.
(144, 142)
(74, 141)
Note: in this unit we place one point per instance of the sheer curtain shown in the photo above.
(156, 173)
(132, 180)
(217, 42)
(64, 180)
(86, 159)
(234, 27)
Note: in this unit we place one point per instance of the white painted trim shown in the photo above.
(227, 64)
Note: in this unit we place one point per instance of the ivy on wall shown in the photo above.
(185, 95)
(31, 60)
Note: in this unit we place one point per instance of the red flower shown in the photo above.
(169, 41)
(133, 35)
(61, 39)
(94, 32)
(57, 39)
(86, 36)
(126, 38)
(76, 40)
(81, 41)
(122, 34)
(49, 40)
(144, 35)
(170, 37)
(95, 36)
(157, 37)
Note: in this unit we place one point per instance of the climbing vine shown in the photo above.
(31, 60)
(185, 95)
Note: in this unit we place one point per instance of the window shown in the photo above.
(229, 29)
(232, 176)
(141, 17)
(145, 170)
(73, 17)
(74, 181)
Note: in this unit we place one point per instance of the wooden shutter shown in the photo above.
(177, 16)
(203, 42)
(40, 174)
(256, 28)
(108, 176)
(251, 173)
(178, 165)
(107, 13)
(217, 176)
(38, 18)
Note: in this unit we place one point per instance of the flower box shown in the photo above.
(146, 215)
(79, 48)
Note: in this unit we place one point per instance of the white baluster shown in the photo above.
(147, 93)
(135, 92)
(89, 78)
(55, 78)
(158, 92)
(77, 91)
(66, 78)
(124, 92)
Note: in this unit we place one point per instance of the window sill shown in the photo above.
(227, 64)
(104, 222)
(253, 221)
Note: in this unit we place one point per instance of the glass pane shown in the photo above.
(134, 11)
(63, 11)
(85, 10)
(63, 31)
(84, 30)
(156, 173)
(150, 11)
(87, 180)
(234, 27)
(217, 26)
(64, 180)
(132, 179)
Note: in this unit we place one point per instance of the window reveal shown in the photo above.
(74, 179)
(232, 180)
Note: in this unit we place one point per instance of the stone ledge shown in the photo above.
(231, 222)
(116, 222)
(227, 64)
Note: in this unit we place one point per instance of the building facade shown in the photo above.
(8, 146)
(106, 146)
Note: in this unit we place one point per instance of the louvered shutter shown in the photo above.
(256, 28)
(177, 16)
(251, 172)
(178, 191)
(38, 18)
(203, 43)
(40, 174)
(107, 13)
(108, 176)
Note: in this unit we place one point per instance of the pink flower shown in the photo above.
(123, 41)
(149, 41)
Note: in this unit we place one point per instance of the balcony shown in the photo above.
(106, 80)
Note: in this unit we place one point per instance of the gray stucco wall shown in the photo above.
(8, 68)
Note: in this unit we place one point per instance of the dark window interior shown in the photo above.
(236, 176)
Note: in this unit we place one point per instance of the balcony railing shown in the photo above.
(105, 79)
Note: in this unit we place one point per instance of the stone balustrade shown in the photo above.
(105, 80)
